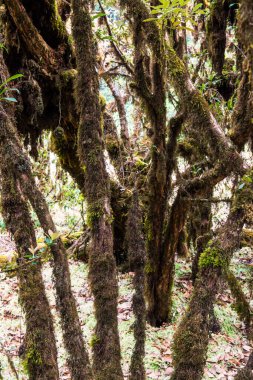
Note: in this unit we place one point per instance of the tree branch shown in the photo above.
(32, 38)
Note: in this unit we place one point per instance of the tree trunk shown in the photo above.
(72, 333)
(40, 348)
(102, 266)
(137, 255)
(78, 359)
(192, 336)
(124, 133)
(164, 283)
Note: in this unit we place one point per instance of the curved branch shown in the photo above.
(32, 38)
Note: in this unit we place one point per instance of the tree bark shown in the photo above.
(102, 266)
(137, 256)
(198, 113)
(19, 166)
(40, 348)
(192, 336)
(124, 133)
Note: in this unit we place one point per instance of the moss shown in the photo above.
(102, 102)
(212, 256)
(240, 304)
(148, 268)
(92, 157)
(112, 146)
(176, 66)
(67, 75)
(148, 229)
(32, 358)
(140, 164)
(94, 340)
(244, 195)
(94, 213)
(57, 23)
(110, 218)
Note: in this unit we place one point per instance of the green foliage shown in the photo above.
(245, 179)
(98, 15)
(4, 88)
(2, 46)
(102, 35)
(2, 225)
(177, 12)
(42, 247)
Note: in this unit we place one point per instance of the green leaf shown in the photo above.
(197, 7)
(98, 15)
(13, 77)
(150, 19)
(10, 100)
(55, 235)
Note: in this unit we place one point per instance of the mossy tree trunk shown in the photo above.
(137, 257)
(78, 359)
(241, 304)
(40, 358)
(124, 132)
(198, 113)
(245, 31)
(19, 167)
(102, 266)
(192, 336)
(216, 33)
(150, 86)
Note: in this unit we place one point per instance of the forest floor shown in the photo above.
(228, 350)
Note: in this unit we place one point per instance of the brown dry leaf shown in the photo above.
(167, 358)
(168, 371)
(246, 348)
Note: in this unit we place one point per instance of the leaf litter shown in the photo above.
(228, 350)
